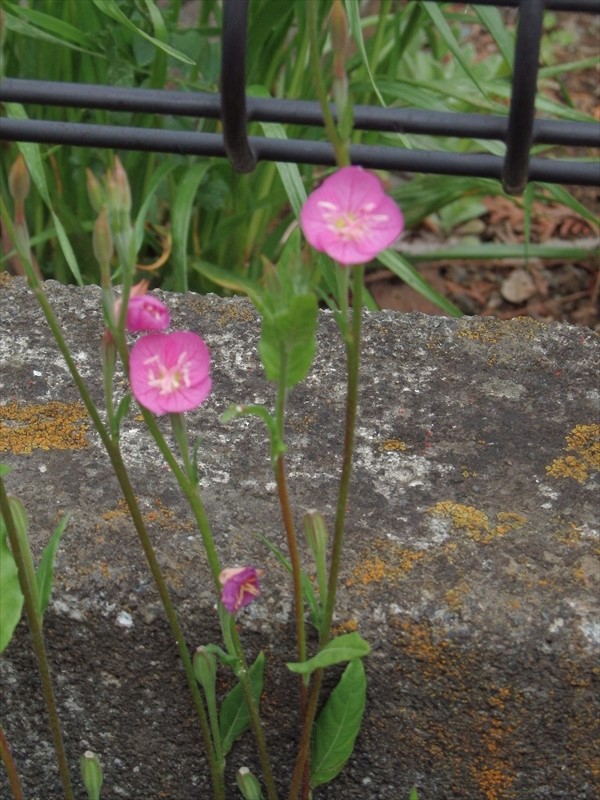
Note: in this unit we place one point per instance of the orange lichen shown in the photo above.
(474, 523)
(393, 562)
(584, 442)
(391, 445)
(43, 426)
(161, 515)
(345, 627)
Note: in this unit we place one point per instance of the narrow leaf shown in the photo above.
(347, 647)
(338, 724)
(11, 597)
(45, 571)
(111, 9)
(404, 270)
(181, 213)
(438, 19)
(234, 718)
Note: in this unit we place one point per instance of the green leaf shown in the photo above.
(226, 279)
(5, 470)
(11, 597)
(111, 9)
(347, 647)
(353, 12)
(234, 718)
(403, 269)
(120, 414)
(289, 339)
(438, 19)
(45, 570)
(338, 724)
(308, 591)
(181, 212)
(149, 191)
(492, 19)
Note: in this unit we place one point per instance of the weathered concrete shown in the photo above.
(472, 552)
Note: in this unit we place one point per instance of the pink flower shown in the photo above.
(146, 313)
(170, 372)
(240, 587)
(350, 217)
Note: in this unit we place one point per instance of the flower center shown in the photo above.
(168, 379)
(352, 226)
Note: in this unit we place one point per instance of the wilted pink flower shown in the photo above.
(240, 587)
(170, 372)
(350, 217)
(144, 312)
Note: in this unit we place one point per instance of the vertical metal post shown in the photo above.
(522, 106)
(233, 85)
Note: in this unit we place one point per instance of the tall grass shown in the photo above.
(417, 54)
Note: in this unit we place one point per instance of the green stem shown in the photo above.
(353, 364)
(255, 721)
(114, 454)
(353, 346)
(342, 155)
(190, 488)
(34, 619)
(10, 767)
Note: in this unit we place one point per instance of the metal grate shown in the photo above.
(519, 130)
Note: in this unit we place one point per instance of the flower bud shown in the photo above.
(95, 191)
(247, 784)
(102, 240)
(18, 180)
(91, 772)
(205, 670)
(339, 38)
(122, 192)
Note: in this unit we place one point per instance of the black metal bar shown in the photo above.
(233, 85)
(519, 135)
(584, 6)
(297, 112)
(292, 150)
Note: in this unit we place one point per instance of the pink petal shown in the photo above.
(350, 217)
(181, 355)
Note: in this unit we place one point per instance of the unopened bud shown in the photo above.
(121, 186)
(18, 180)
(339, 38)
(205, 670)
(248, 785)
(91, 772)
(102, 240)
(95, 191)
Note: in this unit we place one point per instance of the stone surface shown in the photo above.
(472, 561)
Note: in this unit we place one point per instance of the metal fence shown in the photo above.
(520, 130)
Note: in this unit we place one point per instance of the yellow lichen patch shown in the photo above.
(369, 570)
(391, 446)
(456, 595)
(393, 562)
(493, 775)
(508, 521)
(474, 523)
(43, 426)
(492, 331)
(584, 442)
(345, 627)
(464, 518)
(160, 515)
